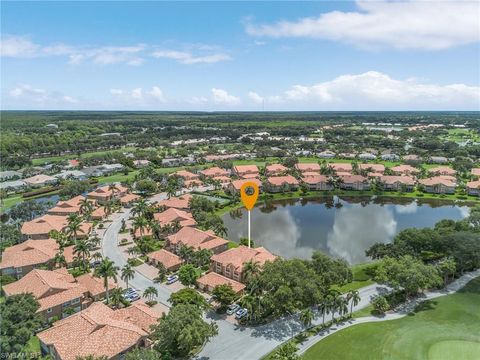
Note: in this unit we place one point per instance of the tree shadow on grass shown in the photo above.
(424, 306)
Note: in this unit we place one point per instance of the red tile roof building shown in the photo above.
(99, 331)
(279, 183)
(275, 169)
(209, 281)
(40, 227)
(308, 167)
(230, 263)
(18, 260)
(197, 239)
(397, 183)
(171, 261)
(405, 170)
(236, 185)
(214, 172)
(438, 185)
(180, 202)
(317, 182)
(171, 215)
(246, 171)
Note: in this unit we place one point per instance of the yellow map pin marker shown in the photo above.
(249, 198)
(249, 195)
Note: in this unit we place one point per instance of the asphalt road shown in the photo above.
(233, 342)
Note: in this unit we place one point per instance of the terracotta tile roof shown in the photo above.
(71, 206)
(50, 288)
(405, 169)
(93, 284)
(187, 175)
(196, 238)
(192, 183)
(280, 180)
(68, 253)
(307, 167)
(180, 202)
(212, 279)
(39, 179)
(437, 180)
(375, 168)
(242, 254)
(170, 260)
(105, 192)
(353, 179)
(46, 223)
(246, 169)
(390, 180)
(475, 171)
(128, 198)
(442, 170)
(139, 314)
(473, 184)
(30, 252)
(237, 184)
(310, 173)
(172, 214)
(316, 179)
(343, 167)
(99, 213)
(98, 331)
(275, 168)
(222, 179)
(214, 171)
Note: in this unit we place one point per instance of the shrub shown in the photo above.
(380, 304)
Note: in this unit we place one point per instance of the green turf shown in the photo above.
(444, 328)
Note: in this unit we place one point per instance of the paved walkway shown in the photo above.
(397, 314)
(233, 342)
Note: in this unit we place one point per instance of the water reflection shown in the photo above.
(341, 227)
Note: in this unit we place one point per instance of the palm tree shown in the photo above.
(97, 256)
(82, 249)
(354, 297)
(140, 208)
(106, 270)
(249, 302)
(150, 292)
(186, 253)
(113, 189)
(59, 259)
(73, 226)
(306, 317)
(128, 273)
(176, 226)
(116, 297)
(94, 242)
(140, 223)
(251, 269)
(171, 191)
(323, 306)
(108, 207)
(60, 237)
(342, 305)
(86, 208)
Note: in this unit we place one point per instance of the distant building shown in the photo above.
(40, 180)
(390, 157)
(52, 126)
(438, 185)
(366, 156)
(71, 174)
(9, 175)
(14, 185)
(281, 183)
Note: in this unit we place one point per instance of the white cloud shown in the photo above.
(17, 46)
(198, 100)
(139, 96)
(398, 24)
(26, 93)
(188, 58)
(255, 97)
(221, 96)
(375, 90)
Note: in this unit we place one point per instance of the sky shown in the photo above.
(241, 56)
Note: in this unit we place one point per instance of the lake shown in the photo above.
(341, 227)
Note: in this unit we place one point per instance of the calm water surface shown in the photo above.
(342, 227)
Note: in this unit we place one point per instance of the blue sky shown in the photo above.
(339, 55)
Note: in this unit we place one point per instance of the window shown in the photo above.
(19, 270)
(219, 267)
(49, 310)
(75, 301)
(66, 303)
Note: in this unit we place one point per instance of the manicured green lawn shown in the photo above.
(361, 277)
(444, 328)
